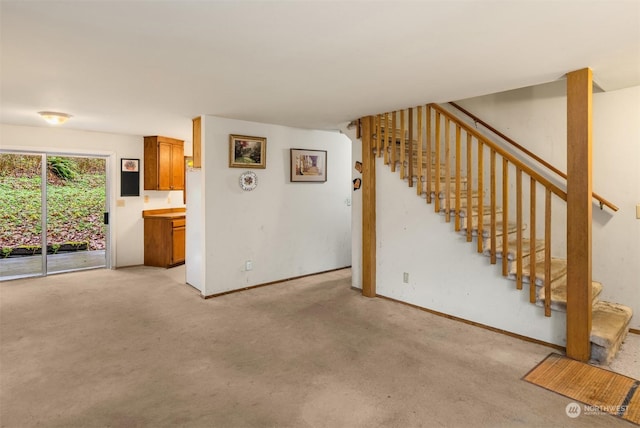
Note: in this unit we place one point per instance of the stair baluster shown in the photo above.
(403, 146)
(447, 170)
(505, 216)
(420, 157)
(436, 163)
(547, 253)
(393, 141)
(532, 245)
(429, 155)
(387, 139)
(468, 216)
(493, 206)
(519, 226)
(480, 190)
(458, 182)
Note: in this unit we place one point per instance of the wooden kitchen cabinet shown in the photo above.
(164, 237)
(163, 163)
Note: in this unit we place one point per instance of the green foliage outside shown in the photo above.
(62, 167)
(76, 196)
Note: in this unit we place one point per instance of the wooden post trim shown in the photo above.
(368, 210)
(579, 212)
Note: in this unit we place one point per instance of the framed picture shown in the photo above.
(129, 177)
(247, 152)
(308, 165)
(130, 165)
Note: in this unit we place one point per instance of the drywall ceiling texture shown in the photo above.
(285, 229)
(127, 227)
(147, 68)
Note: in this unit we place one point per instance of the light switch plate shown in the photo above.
(638, 211)
(120, 203)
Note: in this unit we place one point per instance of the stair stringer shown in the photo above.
(446, 274)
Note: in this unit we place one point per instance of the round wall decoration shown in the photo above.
(248, 180)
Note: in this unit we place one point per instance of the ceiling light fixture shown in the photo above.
(54, 118)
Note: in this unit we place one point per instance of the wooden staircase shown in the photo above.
(493, 196)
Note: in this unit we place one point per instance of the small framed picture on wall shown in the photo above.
(129, 177)
(308, 165)
(247, 152)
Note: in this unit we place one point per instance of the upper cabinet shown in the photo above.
(163, 163)
(197, 142)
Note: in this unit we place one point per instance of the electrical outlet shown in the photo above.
(405, 277)
(248, 265)
(638, 211)
(169, 200)
(348, 202)
(119, 202)
(146, 199)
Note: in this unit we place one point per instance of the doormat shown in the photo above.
(602, 391)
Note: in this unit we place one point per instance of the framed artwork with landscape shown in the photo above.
(308, 165)
(247, 152)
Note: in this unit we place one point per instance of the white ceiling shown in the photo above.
(148, 67)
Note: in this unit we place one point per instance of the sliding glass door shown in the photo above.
(53, 211)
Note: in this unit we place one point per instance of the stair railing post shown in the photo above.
(579, 212)
(368, 209)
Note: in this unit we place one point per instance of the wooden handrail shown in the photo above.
(502, 152)
(538, 159)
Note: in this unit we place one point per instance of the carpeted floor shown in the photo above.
(135, 348)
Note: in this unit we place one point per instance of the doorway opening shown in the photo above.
(54, 213)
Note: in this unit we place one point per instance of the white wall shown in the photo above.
(446, 273)
(127, 227)
(286, 229)
(536, 118)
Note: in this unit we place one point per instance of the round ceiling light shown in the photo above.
(54, 118)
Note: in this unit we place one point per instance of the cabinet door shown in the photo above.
(165, 153)
(178, 246)
(177, 167)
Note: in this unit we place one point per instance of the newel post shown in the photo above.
(579, 212)
(368, 210)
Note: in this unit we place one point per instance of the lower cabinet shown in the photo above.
(164, 241)
(178, 233)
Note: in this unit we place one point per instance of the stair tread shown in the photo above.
(512, 227)
(463, 196)
(608, 322)
(558, 269)
(486, 210)
(512, 247)
(559, 293)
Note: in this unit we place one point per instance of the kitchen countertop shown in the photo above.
(166, 213)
